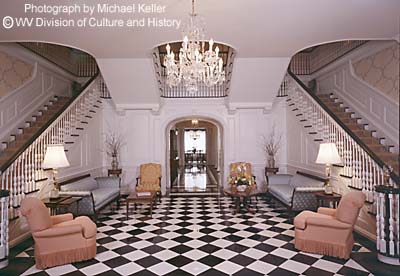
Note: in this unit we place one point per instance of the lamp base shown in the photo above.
(328, 190)
(54, 193)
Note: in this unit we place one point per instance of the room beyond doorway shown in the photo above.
(194, 158)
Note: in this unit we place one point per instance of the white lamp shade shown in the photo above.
(55, 157)
(328, 154)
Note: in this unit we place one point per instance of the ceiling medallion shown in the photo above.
(194, 64)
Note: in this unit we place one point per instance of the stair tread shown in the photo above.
(363, 134)
(35, 126)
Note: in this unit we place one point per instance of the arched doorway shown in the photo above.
(194, 156)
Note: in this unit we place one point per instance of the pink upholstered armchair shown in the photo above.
(329, 231)
(58, 239)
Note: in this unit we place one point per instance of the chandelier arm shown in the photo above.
(195, 65)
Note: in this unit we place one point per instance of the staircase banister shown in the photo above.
(43, 128)
(394, 177)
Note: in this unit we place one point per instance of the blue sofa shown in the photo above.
(296, 192)
(96, 193)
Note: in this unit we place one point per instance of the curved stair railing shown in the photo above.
(362, 165)
(365, 169)
(23, 172)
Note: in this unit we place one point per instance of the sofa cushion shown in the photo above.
(283, 192)
(279, 179)
(86, 184)
(102, 196)
(299, 180)
(108, 181)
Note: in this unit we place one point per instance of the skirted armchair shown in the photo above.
(58, 239)
(329, 231)
(149, 179)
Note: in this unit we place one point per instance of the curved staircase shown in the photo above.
(32, 127)
(375, 144)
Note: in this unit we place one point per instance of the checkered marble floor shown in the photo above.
(200, 236)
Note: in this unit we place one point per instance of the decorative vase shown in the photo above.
(271, 161)
(241, 188)
(114, 163)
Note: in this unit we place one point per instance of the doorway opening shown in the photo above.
(194, 157)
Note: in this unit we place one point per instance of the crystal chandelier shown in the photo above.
(194, 63)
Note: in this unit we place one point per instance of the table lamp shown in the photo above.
(328, 154)
(55, 158)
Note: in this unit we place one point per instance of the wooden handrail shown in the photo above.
(43, 128)
(382, 164)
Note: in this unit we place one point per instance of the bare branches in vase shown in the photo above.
(271, 145)
(113, 145)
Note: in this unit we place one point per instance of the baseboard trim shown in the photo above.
(365, 233)
(20, 239)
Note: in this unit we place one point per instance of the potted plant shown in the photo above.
(271, 147)
(114, 143)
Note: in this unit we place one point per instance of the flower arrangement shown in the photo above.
(241, 180)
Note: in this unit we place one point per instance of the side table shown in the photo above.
(116, 172)
(137, 198)
(269, 171)
(54, 204)
(328, 199)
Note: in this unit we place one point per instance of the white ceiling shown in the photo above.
(255, 28)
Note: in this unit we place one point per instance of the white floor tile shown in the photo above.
(228, 267)
(162, 268)
(261, 267)
(294, 266)
(195, 268)
(128, 269)
(106, 255)
(327, 265)
(95, 269)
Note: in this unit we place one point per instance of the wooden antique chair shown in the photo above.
(149, 179)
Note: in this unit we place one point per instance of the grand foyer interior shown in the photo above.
(345, 92)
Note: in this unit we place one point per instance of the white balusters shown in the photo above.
(21, 177)
(391, 224)
(364, 171)
(4, 247)
(387, 223)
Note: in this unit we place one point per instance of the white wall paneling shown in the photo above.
(47, 80)
(377, 109)
(146, 132)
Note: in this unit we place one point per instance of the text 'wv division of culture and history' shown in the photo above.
(137, 15)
